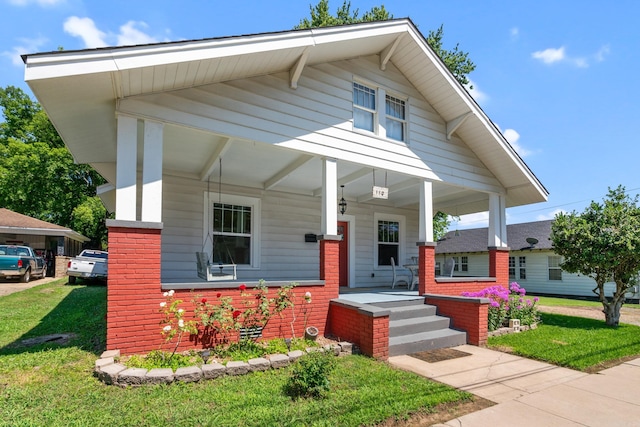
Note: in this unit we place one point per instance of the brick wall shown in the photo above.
(467, 314)
(366, 328)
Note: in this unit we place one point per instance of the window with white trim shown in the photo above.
(555, 272)
(367, 116)
(517, 271)
(233, 230)
(396, 121)
(464, 263)
(389, 239)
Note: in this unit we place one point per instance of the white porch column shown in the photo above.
(329, 226)
(152, 172)
(497, 221)
(127, 148)
(425, 229)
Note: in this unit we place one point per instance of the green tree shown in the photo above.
(38, 176)
(602, 242)
(456, 60)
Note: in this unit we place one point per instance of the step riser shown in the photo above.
(412, 312)
(430, 324)
(402, 303)
(433, 344)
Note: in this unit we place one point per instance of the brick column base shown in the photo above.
(499, 265)
(427, 267)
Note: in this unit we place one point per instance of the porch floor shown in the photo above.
(376, 295)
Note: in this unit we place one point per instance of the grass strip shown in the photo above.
(574, 342)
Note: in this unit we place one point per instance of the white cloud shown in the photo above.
(26, 46)
(475, 220)
(552, 56)
(86, 29)
(476, 93)
(513, 136)
(514, 33)
(130, 35)
(549, 56)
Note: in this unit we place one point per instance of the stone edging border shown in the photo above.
(507, 330)
(112, 373)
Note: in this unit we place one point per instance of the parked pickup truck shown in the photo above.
(90, 264)
(21, 262)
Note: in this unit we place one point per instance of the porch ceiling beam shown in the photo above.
(352, 177)
(453, 125)
(387, 52)
(404, 185)
(286, 171)
(217, 153)
(296, 71)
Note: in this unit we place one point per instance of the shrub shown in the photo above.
(310, 375)
(507, 304)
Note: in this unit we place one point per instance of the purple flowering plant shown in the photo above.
(508, 304)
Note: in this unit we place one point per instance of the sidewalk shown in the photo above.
(532, 393)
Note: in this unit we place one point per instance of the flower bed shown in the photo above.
(110, 372)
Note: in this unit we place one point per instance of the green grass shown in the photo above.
(567, 302)
(574, 342)
(53, 385)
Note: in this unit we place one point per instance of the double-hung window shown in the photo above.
(389, 239)
(555, 272)
(233, 230)
(519, 270)
(368, 115)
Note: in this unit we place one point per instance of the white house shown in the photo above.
(243, 147)
(532, 261)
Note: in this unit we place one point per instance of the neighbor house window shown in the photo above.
(395, 111)
(519, 270)
(364, 107)
(555, 272)
(368, 114)
(456, 265)
(464, 263)
(389, 239)
(522, 266)
(233, 230)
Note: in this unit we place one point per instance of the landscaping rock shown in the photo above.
(160, 376)
(237, 368)
(213, 371)
(132, 376)
(279, 361)
(110, 353)
(109, 374)
(259, 364)
(188, 375)
(346, 347)
(101, 363)
(295, 354)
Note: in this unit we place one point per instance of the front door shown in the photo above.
(343, 230)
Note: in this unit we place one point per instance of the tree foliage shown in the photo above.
(456, 60)
(602, 242)
(38, 176)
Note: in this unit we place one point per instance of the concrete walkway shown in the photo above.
(531, 393)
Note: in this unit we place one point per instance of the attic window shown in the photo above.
(368, 112)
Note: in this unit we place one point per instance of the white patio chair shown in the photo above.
(399, 278)
(449, 265)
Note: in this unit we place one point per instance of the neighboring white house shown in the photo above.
(532, 261)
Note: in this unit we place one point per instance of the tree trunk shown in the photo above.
(612, 308)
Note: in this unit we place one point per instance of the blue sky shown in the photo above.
(555, 76)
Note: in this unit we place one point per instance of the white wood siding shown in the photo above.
(285, 220)
(317, 118)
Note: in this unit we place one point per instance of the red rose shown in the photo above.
(219, 295)
(203, 300)
(243, 287)
(236, 314)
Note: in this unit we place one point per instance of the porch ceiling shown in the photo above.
(80, 90)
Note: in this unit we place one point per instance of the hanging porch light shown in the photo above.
(343, 202)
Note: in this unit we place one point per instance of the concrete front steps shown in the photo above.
(414, 327)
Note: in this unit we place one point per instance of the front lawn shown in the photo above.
(575, 342)
(52, 384)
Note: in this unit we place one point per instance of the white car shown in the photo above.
(90, 264)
